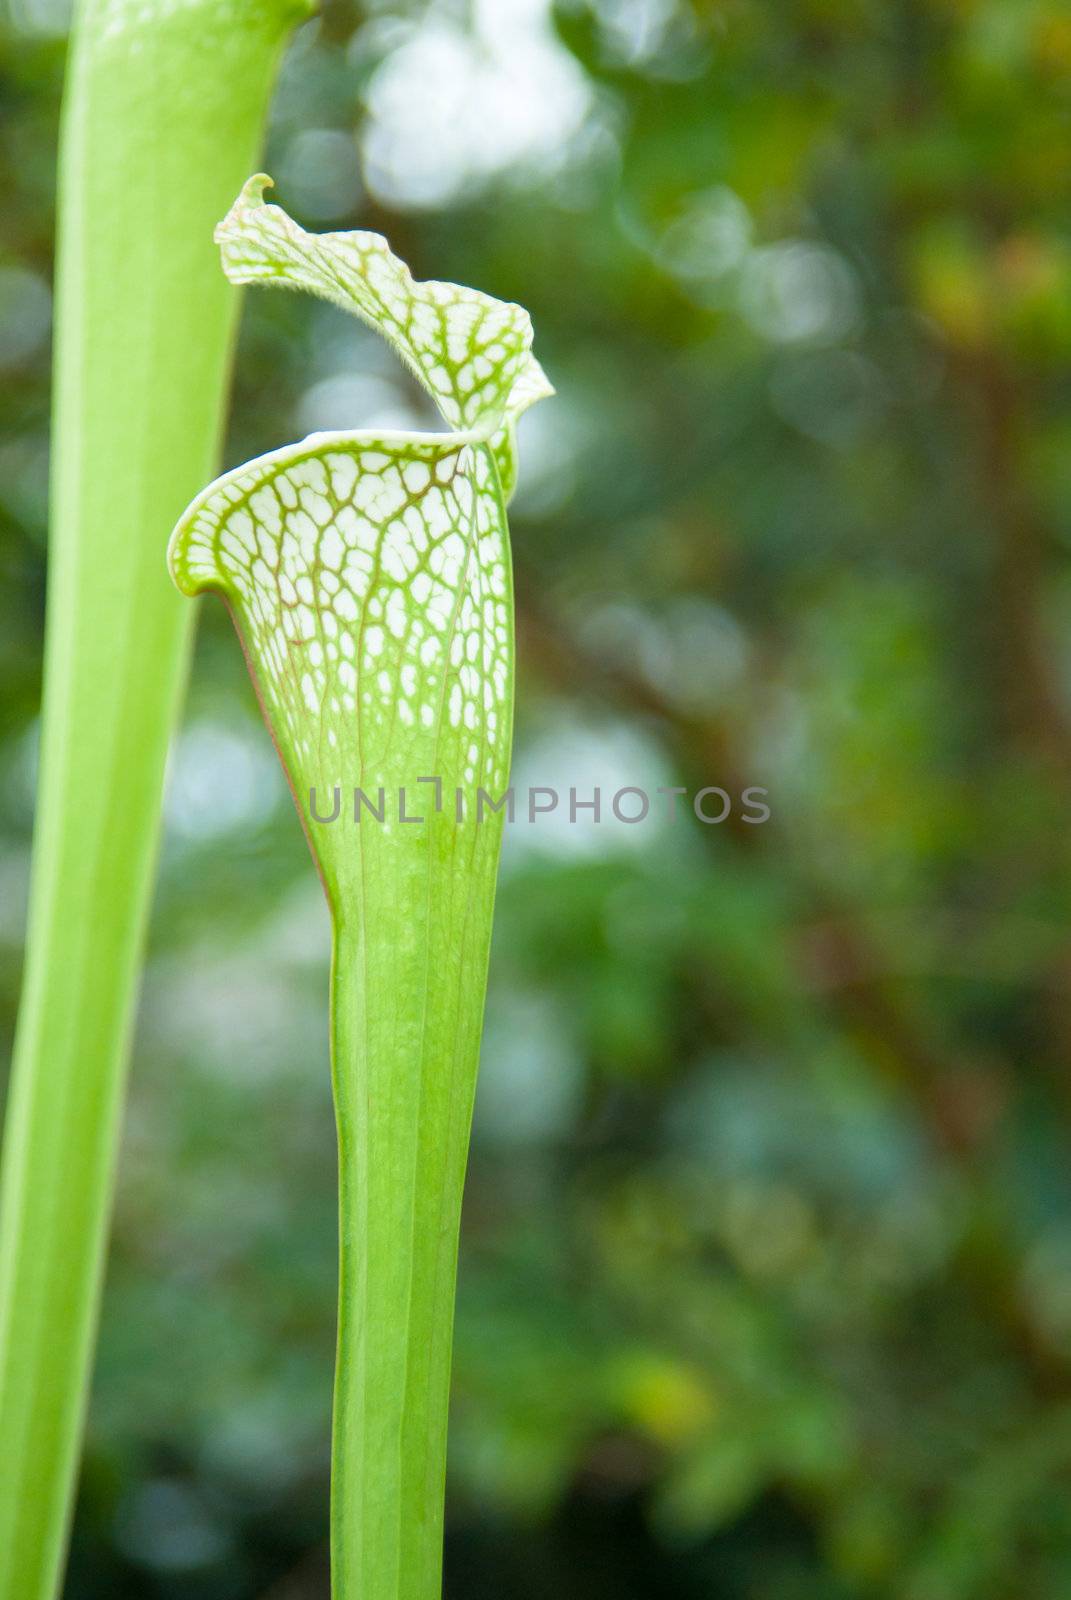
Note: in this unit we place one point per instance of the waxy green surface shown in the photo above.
(163, 107)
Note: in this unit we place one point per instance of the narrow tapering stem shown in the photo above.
(404, 1114)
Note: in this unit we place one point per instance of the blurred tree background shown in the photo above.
(766, 1270)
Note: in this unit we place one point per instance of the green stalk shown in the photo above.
(369, 577)
(404, 1110)
(163, 112)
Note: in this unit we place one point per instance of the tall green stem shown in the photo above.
(163, 111)
(403, 1097)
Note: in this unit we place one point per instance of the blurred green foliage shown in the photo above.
(766, 1268)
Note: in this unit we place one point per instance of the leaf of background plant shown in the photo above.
(369, 578)
(162, 115)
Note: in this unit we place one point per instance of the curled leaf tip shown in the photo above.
(250, 197)
(470, 352)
